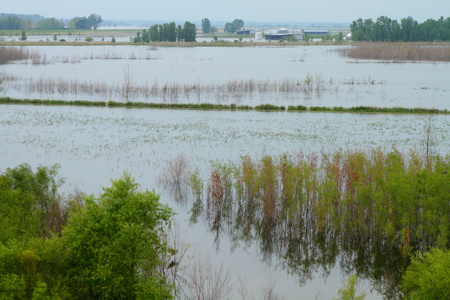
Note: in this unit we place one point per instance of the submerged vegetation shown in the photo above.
(210, 106)
(398, 52)
(368, 210)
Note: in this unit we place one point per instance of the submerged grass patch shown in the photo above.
(210, 106)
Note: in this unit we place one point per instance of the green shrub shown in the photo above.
(428, 276)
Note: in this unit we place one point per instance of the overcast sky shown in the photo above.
(228, 10)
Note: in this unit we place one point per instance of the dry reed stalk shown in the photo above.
(8, 54)
(397, 52)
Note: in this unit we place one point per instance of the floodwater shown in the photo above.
(96, 144)
(336, 80)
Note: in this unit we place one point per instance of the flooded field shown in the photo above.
(96, 144)
(93, 145)
(280, 75)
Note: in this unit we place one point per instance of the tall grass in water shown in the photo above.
(8, 54)
(397, 52)
(172, 91)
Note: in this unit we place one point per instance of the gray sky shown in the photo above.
(228, 10)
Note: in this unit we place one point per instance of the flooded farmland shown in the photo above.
(302, 75)
(93, 145)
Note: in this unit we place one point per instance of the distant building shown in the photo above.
(316, 32)
(246, 31)
(283, 34)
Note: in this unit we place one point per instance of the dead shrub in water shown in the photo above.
(205, 282)
(176, 172)
(128, 81)
(174, 261)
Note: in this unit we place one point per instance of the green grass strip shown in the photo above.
(210, 106)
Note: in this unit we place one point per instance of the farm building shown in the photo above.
(316, 32)
(246, 31)
(283, 33)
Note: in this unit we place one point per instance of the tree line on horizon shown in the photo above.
(22, 22)
(167, 32)
(407, 30)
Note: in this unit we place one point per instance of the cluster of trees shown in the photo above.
(108, 247)
(14, 23)
(407, 30)
(91, 22)
(168, 32)
(234, 26)
(50, 24)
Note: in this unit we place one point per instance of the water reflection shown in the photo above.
(299, 249)
(311, 215)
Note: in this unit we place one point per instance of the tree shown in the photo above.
(189, 32)
(180, 33)
(406, 29)
(206, 25)
(94, 21)
(171, 32)
(23, 36)
(340, 38)
(79, 23)
(238, 24)
(154, 34)
(29, 203)
(234, 26)
(114, 244)
(428, 276)
(228, 28)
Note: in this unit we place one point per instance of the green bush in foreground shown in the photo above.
(109, 248)
(428, 276)
(114, 243)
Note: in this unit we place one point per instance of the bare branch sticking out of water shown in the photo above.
(176, 172)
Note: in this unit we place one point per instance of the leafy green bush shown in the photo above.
(111, 247)
(428, 276)
(114, 243)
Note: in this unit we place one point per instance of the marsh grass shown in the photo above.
(173, 91)
(398, 52)
(8, 54)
